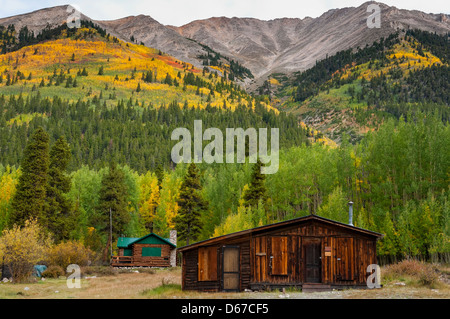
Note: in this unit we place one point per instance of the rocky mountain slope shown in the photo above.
(286, 45)
(143, 28)
(265, 47)
(153, 34)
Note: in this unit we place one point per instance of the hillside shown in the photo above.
(55, 64)
(264, 47)
(353, 92)
(289, 45)
(65, 76)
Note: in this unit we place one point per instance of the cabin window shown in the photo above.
(279, 257)
(151, 251)
(128, 252)
(207, 264)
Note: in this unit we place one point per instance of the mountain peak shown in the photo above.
(39, 19)
(263, 46)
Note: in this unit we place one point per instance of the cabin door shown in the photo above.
(230, 278)
(313, 265)
(345, 260)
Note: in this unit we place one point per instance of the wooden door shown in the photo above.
(313, 265)
(345, 263)
(231, 268)
(260, 259)
(207, 264)
(279, 255)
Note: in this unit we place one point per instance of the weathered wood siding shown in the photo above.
(194, 270)
(278, 256)
(153, 261)
(344, 255)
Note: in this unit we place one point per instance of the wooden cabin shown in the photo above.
(148, 251)
(310, 252)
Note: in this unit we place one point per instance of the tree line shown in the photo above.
(397, 178)
(129, 133)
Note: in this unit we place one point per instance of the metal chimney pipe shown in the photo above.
(350, 213)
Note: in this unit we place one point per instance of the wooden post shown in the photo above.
(110, 230)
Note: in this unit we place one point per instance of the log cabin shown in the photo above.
(312, 253)
(148, 251)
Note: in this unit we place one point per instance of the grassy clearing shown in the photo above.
(409, 279)
(417, 274)
(166, 290)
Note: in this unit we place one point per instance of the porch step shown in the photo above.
(315, 288)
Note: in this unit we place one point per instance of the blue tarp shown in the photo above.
(38, 270)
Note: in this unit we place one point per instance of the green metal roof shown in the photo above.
(124, 242)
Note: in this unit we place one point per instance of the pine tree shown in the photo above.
(113, 200)
(191, 205)
(159, 171)
(148, 77)
(168, 79)
(58, 215)
(29, 199)
(257, 189)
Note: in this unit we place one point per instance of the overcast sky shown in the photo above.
(179, 12)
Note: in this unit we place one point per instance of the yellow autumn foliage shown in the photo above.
(149, 197)
(24, 118)
(403, 56)
(71, 252)
(235, 222)
(124, 65)
(22, 247)
(168, 208)
(8, 184)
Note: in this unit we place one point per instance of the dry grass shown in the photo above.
(416, 273)
(166, 283)
(121, 285)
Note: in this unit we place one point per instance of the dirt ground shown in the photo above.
(136, 285)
